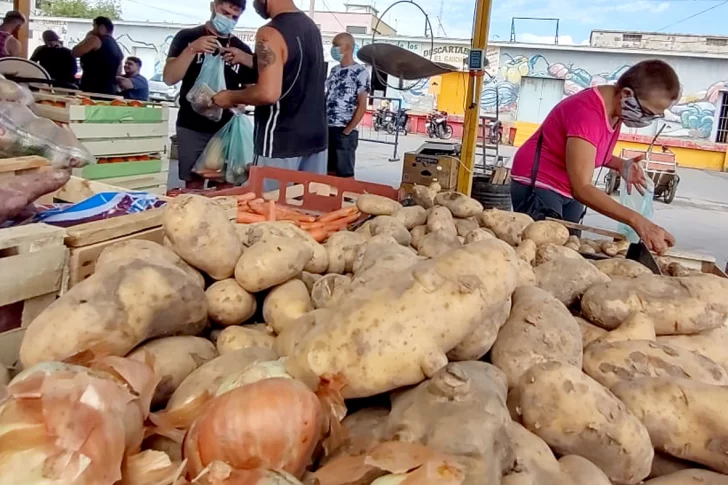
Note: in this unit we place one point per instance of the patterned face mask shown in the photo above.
(633, 115)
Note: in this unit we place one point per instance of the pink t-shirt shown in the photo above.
(582, 115)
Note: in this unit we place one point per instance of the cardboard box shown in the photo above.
(423, 169)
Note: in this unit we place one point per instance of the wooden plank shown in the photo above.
(34, 306)
(54, 113)
(87, 131)
(30, 237)
(126, 146)
(104, 230)
(10, 346)
(33, 274)
(139, 182)
(595, 230)
(82, 261)
(22, 163)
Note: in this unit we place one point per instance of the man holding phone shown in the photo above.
(186, 54)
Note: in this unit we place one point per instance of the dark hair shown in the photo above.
(14, 16)
(105, 22)
(50, 36)
(236, 3)
(135, 60)
(650, 75)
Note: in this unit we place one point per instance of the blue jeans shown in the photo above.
(314, 163)
(546, 203)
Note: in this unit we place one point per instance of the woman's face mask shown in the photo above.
(633, 114)
(223, 24)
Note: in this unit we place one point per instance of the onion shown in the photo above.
(219, 473)
(64, 424)
(151, 468)
(254, 373)
(270, 424)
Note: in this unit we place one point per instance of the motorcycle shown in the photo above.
(495, 134)
(398, 122)
(380, 118)
(437, 125)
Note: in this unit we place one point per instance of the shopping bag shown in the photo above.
(210, 81)
(229, 154)
(638, 202)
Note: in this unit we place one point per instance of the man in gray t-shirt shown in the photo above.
(347, 89)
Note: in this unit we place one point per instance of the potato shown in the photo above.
(310, 279)
(121, 252)
(329, 289)
(269, 263)
(582, 471)
(539, 329)
(691, 477)
(589, 331)
(378, 259)
(546, 232)
(208, 377)
(459, 204)
(342, 247)
(587, 249)
(479, 235)
(685, 418)
(610, 363)
(526, 275)
(411, 216)
(712, 344)
(285, 303)
(202, 235)
(526, 250)
(465, 226)
(623, 268)
(462, 395)
(612, 248)
(173, 359)
(228, 303)
(422, 312)
(294, 333)
(377, 205)
(573, 243)
(507, 226)
(243, 232)
(567, 279)
(365, 229)
(417, 233)
(575, 415)
(236, 337)
(437, 243)
(365, 430)
(388, 225)
(637, 326)
(264, 231)
(479, 342)
(677, 305)
(424, 196)
(549, 252)
(440, 219)
(114, 310)
(535, 462)
(664, 464)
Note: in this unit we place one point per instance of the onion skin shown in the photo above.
(270, 424)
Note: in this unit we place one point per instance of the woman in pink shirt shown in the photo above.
(553, 171)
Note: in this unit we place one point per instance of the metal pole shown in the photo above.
(311, 8)
(23, 6)
(472, 113)
(395, 158)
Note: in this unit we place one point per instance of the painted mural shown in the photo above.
(692, 117)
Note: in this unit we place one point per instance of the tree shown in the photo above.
(81, 9)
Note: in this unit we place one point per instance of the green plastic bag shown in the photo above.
(230, 152)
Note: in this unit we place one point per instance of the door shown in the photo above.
(537, 96)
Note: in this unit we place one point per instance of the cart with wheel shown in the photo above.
(660, 167)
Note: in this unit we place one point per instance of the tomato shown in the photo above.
(118, 102)
(87, 102)
(116, 160)
(136, 104)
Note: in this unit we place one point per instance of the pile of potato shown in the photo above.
(489, 350)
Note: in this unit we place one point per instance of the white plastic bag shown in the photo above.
(638, 202)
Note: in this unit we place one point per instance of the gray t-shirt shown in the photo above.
(342, 89)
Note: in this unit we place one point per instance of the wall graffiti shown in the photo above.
(692, 117)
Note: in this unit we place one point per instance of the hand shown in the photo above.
(633, 174)
(224, 99)
(233, 55)
(124, 82)
(207, 44)
(347, 131)
(655, 238)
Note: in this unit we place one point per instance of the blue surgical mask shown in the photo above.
(224, 25)
(336, 53)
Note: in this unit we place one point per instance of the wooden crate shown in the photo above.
(33, 262)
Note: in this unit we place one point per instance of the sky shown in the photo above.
(577, 17)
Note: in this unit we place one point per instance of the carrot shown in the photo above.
(294, 214)
(243, 207)
(271, 211)
(337, 214)
(341, 223)
(311, 225)
(248, 218)
(245, 197)
(258, 207)
(319, 234)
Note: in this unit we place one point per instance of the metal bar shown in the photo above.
(23, 6)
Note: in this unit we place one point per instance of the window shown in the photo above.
(355, 29)
(717, 41)
(632, 37)
(721, 136)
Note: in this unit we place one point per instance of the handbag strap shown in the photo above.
(536, 160)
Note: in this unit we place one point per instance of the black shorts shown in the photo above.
(546, 203)
(190, 145)
(342, 151)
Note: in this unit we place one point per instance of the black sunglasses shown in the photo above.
(645, 112)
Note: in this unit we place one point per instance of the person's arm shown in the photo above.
(233, 55)
(580, 156)
(271, 53)
(90, 43)
(124, 83)
(12, 45)
(181, 55)
(361, 102)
